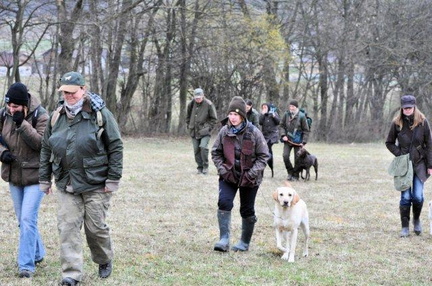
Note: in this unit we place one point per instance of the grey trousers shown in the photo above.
(89, 209)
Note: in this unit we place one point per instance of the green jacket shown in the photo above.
(73, 152)
(201, 118)
(253, 116)
(298, 123)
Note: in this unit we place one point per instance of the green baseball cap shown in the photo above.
(71, 82)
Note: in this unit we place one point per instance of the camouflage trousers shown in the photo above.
(74, 211)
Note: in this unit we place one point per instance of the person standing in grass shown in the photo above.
(269, 121)
(294, 132)
(240, 154)
(23, 122)
(251, 113)
(201, 118)
(410, 133)
(83, 150)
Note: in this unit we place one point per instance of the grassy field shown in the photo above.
(163, 222)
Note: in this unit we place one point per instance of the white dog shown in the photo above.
(290, 213)
(430, 217)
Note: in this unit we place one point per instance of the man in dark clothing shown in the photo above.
(252, 114)
(294, 132)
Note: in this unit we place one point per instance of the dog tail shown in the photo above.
(316, 169)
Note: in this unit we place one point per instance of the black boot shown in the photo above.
(405, 218)
(224, 219)
(417, 207)
(247, 231)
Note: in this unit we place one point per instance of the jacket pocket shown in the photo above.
(96, 169)
(417, 154)
(228, 176)
(30, 173)
(204, 131)
(248, 180)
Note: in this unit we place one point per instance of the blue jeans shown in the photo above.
(413, 195)
(26, 201)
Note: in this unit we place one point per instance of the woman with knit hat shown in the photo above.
(22, 127)
(240, 154)
(410, 133)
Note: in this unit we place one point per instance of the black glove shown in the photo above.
(18, 117)
(7, 157)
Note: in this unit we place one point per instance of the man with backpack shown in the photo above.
(294, 131)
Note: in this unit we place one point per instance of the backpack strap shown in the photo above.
(99, 119)
(3, 115)
(55, 116)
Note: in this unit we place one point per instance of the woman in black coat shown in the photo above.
(269, 121)
(410, 133)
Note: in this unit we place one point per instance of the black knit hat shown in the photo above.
(238, 105)
(294, 102)
(18, 94)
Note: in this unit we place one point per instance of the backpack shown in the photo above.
(36, 112)
(308, 119)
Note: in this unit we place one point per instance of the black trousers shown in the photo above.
(227, 193)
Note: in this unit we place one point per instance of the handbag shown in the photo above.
(401, 168)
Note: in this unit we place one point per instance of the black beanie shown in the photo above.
(238, 105)
(294, 102)
(17, 94)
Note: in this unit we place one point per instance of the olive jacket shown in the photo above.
(290, 123)
(200, 118)
(253, 117)
(24, 143)
(77, 155)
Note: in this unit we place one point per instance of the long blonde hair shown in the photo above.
(419, 118)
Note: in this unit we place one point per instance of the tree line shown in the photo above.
(346, 61)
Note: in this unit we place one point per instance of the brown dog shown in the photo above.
(304, 161)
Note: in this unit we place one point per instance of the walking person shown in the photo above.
(82, 149)
(23, 122)
(240, 154)
(251, 113)
(269, 121)
(201, 118)
(410, 133)
(294, 132)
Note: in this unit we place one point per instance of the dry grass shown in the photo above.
(163, 222)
